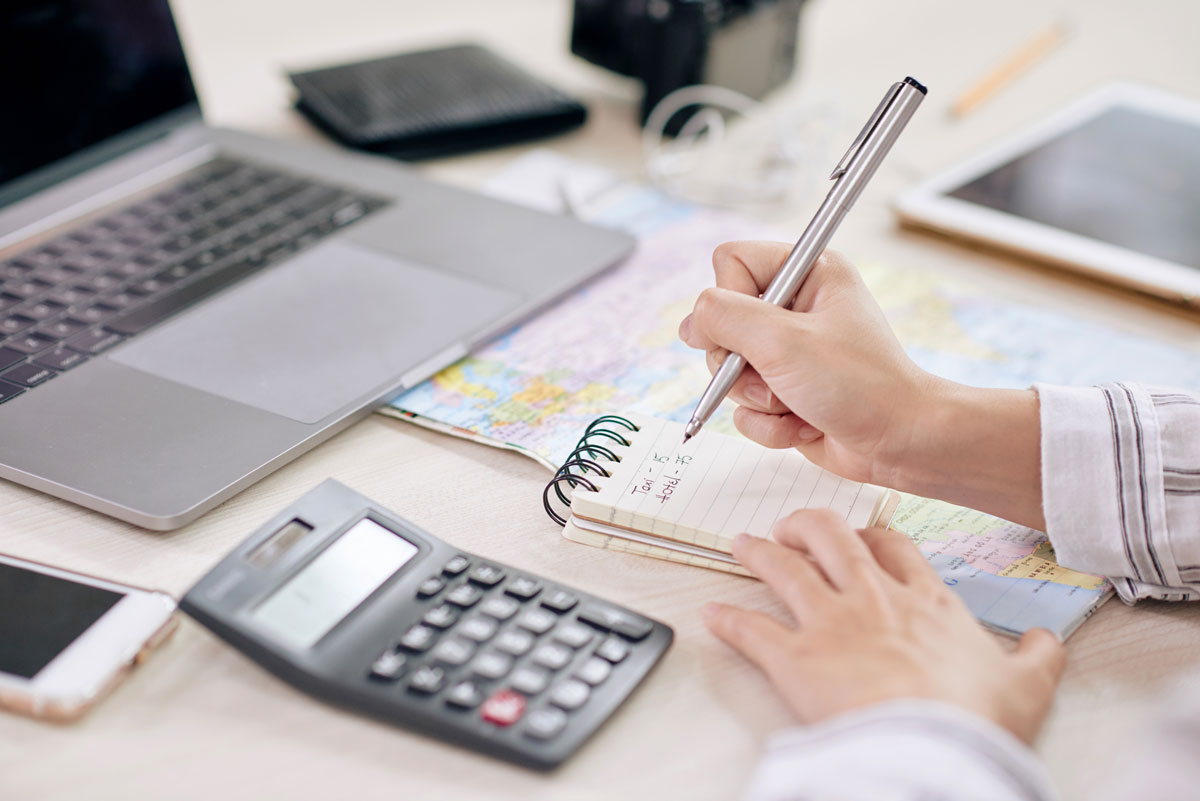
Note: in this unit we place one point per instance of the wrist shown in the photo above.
(974, 447)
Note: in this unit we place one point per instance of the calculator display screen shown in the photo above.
(320, 595)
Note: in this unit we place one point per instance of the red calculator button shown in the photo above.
(504, 708)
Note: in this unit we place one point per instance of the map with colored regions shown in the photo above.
(613, 347)
(1006, 573)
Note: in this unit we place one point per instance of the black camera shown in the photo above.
(746, 45)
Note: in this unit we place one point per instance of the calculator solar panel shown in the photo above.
(360, 608)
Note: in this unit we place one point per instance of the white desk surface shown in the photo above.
(198, 721)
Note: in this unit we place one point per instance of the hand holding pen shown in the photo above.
(850, 177)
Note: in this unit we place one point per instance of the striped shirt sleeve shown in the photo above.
(1121, 485)
(899, 751)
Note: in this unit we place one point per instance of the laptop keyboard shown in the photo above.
(90, 289)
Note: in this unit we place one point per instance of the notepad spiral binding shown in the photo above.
(579, 461)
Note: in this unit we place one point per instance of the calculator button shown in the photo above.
(609, 618)
(529, 680)
(594, 671)
(465, 694)
(613, 649)
(487, 575)
(427, 680)
(552, 656)
(499, 607)
(388, 666)
(441, 617)
(573, 634)
(453, 652)
(431, 587)
(464, 595)
(504, 708)
(491, 665)
(456, 565)
(570, 694)
(514, 641)
(539, 621)
(542, 724)
(477, 628)
(523, 587)
(559, 600)
(418, 638)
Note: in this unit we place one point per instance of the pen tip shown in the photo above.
(686, 437)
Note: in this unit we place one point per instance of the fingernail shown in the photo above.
(709, 611)
(741, 540)
(685, 328)
(758, 393)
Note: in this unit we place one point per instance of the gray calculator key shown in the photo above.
(464, 595)
(523, 587)
(542, 724)
(529, 680)
(499, 607)
(456, 565)
(514, 641)
(487, 575)
(431, 587)
(573, 634)
(570, 694)
(388, 666)
(551, 655)
(613, 649)
(441, 617)
(453, 651)
(491, 665)
(477, 628)
(594, 671)
(418, 638)
(560, 600)
(465, 694)
(609, 618)
(539, 621)
(427, 680)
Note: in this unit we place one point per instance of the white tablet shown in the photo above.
(1109, 186)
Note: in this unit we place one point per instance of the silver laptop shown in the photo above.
(185, 309)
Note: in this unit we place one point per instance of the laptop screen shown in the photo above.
(76, 72)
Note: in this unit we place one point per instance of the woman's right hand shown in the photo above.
(827, 375)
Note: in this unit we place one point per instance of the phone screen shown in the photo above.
(41, 615)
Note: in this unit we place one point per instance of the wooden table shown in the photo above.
(199, 721)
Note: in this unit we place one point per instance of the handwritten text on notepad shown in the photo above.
(662, 487)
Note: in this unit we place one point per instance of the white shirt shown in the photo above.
(1121, 496)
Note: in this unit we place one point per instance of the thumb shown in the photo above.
(1040, 653)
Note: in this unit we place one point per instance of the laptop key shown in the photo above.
(59, 358)
(59, 329)
(9, 357)
(15, 323)
(9, 391)
(42, 310)
(30, 343)
(94, 341)
(28, 375)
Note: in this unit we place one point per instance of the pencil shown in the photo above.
(1030, 54)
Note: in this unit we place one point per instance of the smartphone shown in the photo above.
(66, 639)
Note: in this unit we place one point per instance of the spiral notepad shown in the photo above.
(633, 485)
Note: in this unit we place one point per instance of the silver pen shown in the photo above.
(851, 174)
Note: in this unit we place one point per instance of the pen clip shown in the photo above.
(842, 165)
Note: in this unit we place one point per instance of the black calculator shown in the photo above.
(352, 604)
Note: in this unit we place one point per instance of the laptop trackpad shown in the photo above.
(322, 331)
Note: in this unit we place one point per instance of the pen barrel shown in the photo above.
(722, 381)
(859, 170)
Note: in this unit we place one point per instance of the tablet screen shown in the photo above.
(1126, 177)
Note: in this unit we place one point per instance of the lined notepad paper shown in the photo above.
(694, 498)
